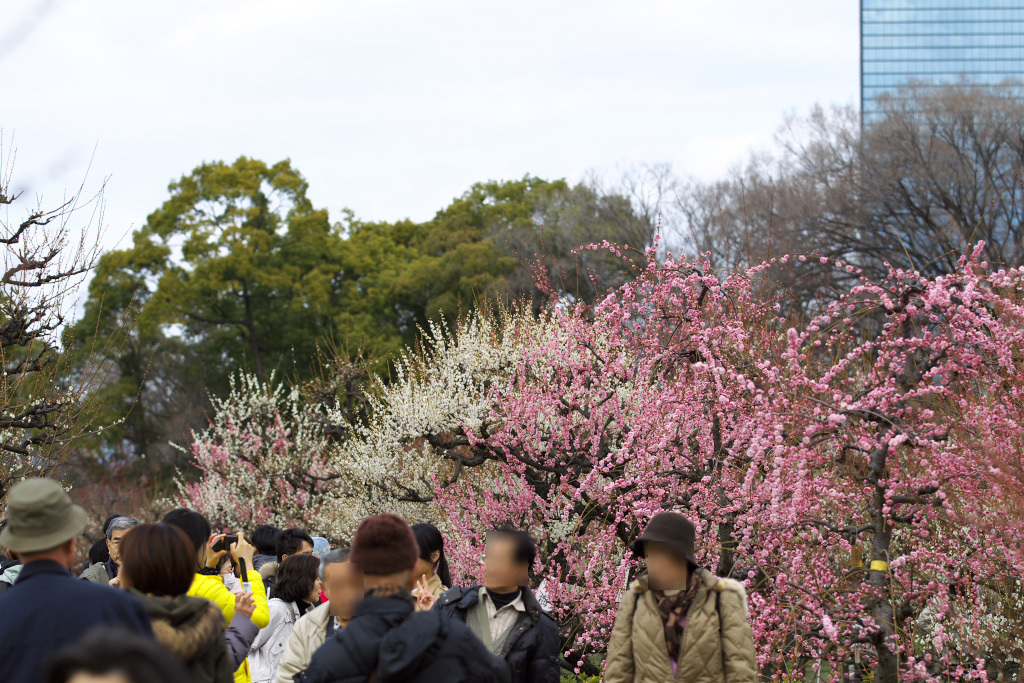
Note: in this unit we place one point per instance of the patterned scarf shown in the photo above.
(673, 610)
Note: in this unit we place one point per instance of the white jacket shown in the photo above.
(265, 652)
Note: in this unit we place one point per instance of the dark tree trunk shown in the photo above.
(254, 340)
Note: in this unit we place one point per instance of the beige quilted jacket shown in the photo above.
(717, 647)
(309, 634)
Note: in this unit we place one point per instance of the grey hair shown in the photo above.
(120, 524)
(333, 557)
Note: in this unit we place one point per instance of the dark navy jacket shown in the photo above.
(532, 648)
(388, 642)
(48, 609)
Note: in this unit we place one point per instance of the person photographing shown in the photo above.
(209, 548)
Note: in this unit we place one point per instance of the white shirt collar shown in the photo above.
(518, 603)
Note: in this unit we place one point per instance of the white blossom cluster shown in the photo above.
(984, 624)
(438, 391)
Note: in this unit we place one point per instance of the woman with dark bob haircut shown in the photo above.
(157, 566)
(297, 589)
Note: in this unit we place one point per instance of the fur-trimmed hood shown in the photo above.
(183, 624)
(260, 559)
(708, 581)
(268, 569)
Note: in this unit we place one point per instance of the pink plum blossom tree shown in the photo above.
(838, 466)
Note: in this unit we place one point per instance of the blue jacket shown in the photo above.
(48, 609)
(388, 640)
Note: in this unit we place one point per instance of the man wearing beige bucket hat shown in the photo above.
(47, 608)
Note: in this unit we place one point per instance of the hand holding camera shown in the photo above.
(236, 544)
(241, 549)
(223, 542)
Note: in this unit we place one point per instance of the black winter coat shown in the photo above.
(533, 646)
(389, 639)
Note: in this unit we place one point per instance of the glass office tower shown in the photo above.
(937, 41)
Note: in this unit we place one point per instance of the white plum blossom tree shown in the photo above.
(270, 457)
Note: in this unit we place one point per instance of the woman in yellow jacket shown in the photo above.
(208, 583)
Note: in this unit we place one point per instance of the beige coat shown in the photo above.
(437, 589)
(308, 635)
(717, 647)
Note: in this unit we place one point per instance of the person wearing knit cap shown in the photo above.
(504, 613)
(388, 641)
(676, 595)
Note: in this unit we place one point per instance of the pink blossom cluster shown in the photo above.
(841, 466)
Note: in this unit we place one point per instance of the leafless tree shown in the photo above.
(43, 258)
(942, 170)
(938, 170)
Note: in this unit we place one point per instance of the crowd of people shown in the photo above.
(174, 601)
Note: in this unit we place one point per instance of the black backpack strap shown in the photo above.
(721, 633)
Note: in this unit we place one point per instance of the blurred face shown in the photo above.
(98, 678)
(425, 567)
(114, 544)
(665, 571)
(202, 553)
(343, 584)
(501, 570)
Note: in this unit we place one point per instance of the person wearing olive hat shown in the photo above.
(47, 608)
(679, 621)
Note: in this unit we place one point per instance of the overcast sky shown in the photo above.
(393, 107)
